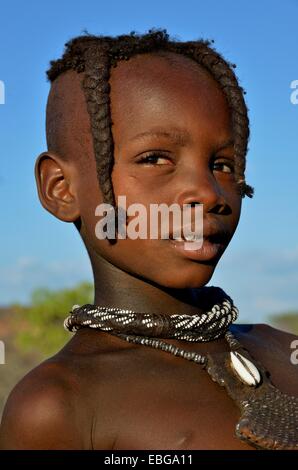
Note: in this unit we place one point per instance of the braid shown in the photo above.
(97, 91)
(95, 55)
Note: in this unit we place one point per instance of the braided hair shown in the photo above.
(95, 55)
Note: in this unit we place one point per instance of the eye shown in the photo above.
(224, 166)
(155, 159)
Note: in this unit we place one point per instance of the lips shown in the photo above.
(210, 247)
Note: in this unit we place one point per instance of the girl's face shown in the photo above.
(173, 144)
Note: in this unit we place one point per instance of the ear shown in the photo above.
(55, 179)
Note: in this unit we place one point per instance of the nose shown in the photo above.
(200, 187)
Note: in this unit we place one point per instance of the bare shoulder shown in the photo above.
(56, 405)
(41, 411)
(274, 332)
(268, 336)
(276, 350)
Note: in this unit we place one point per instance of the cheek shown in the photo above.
(125, 252)
(127, 182)
(142, 187)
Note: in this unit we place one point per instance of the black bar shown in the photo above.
(137, 459)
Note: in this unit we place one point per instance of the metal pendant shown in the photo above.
(268, 417)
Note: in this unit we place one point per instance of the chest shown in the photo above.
(174, 409)
(174, 404)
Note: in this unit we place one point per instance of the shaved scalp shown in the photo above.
(68, 128)
(79, 108)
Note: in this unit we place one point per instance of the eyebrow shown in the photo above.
(178, 136)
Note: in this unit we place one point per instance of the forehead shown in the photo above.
(166, 90)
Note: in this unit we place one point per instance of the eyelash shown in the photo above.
(155, 155)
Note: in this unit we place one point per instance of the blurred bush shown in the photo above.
(41, 322)
(287, 321)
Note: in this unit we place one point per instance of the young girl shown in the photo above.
(155, 363)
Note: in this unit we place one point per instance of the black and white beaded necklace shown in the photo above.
(268, 419)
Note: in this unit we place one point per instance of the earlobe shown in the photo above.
(55, 185)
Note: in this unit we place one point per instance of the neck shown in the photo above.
(117, 288)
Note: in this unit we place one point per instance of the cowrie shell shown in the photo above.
(245, 370)
(74, 307)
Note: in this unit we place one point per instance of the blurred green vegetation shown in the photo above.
(286, 321)
(41, 322)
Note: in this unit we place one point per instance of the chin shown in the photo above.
(189, 278)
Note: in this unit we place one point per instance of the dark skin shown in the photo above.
(100, 392)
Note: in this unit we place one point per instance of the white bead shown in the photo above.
(74, 307)
(245, 369)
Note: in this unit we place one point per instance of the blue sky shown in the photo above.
(259, 269)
